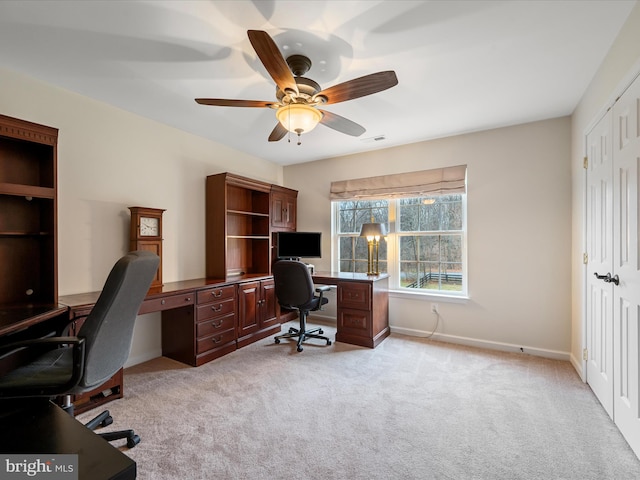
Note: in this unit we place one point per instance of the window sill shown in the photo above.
(428, 296)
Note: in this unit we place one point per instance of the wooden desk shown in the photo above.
(41, 427)
(362, 304)
(18, 318)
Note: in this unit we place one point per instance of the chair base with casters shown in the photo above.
(103, 420)
(302, 333)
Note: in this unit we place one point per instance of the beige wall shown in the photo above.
(620, 66)
(519, 231)
(108, 160)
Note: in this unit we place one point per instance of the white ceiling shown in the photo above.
(462, 65)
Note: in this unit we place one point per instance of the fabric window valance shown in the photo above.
(438, 181)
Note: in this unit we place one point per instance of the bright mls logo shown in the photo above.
(50, 467)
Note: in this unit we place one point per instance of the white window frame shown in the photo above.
(393, 240)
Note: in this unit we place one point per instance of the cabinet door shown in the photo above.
(283, 210)
(268, 305)
(248, 297)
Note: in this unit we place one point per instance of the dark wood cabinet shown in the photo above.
(257, 311)
(284, 203)
(199, 326)
(28, 214)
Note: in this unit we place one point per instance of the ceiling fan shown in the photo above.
(298, 97)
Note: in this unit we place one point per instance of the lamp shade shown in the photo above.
(298, 118)
(373, 230)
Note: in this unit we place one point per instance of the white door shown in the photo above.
(599, 307)
(626, 295)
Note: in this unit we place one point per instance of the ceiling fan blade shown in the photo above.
(222, 102)
(278, 133)
(359, 87)
(341, 124)
(272, 60)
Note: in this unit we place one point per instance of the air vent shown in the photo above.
(374, 139)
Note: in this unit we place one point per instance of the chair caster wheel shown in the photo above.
(320, 332)
(292, 330)
(328, 342)
(277, 340)
(299, 349)
(107, 421)
(133, 441)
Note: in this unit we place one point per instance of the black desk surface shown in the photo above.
(34, 427)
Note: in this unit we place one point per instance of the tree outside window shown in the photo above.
(428, 236)
(351, 246)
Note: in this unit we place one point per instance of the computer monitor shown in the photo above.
(298, 244)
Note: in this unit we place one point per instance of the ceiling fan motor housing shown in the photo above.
(299, 64)
(307, 88)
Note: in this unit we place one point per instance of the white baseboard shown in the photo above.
(473, 342)
(577, 364)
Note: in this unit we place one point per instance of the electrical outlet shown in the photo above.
(434, 308)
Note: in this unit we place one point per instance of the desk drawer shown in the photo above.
(216, 294)
(216, 309)
(215, 326)
(215, 341)
(166, 303)
(354, 295)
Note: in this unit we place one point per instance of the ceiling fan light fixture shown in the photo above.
(298, 117)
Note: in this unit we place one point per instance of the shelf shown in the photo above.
(250, 237)
(252, 214)
(26, 190)
(25, 234)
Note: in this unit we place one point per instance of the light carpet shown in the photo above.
(409, 409)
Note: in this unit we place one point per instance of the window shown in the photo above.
(425, 249)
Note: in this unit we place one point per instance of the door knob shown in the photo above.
(608, 278)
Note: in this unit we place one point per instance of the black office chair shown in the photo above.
(73, 365)
(295, 291)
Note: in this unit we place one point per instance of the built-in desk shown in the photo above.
(203, 319)
(42, 428)
(362, 304)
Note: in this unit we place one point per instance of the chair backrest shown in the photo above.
(108, 330)
(293, 283)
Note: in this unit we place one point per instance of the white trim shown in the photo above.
(429, 296)
(578, 365)
(474, 342)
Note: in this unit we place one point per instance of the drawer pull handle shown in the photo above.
(217, 325)
(216, 340)
(188, 299)
(163, 302)
(219, 309)
(217, 294)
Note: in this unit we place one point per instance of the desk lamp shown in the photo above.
(373, 232)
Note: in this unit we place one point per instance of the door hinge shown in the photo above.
(585, 163)
(585, 354)
(585, 258)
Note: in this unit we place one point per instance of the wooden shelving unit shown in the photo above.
(28, 220)
(238, 238)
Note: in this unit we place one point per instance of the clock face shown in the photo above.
(149, 227)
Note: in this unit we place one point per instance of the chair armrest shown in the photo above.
(44, 342)
(321, 289)
(78, 346)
